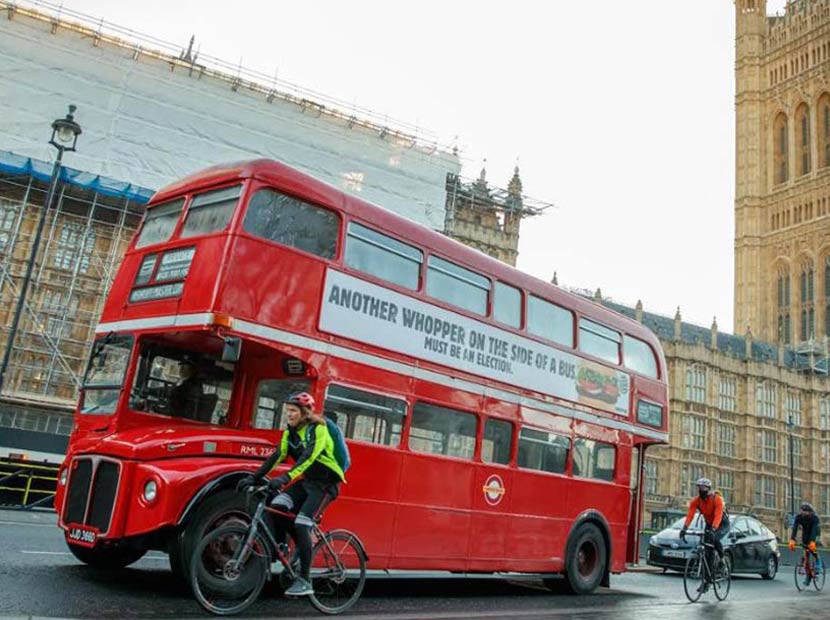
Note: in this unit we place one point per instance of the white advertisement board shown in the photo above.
(372, 314)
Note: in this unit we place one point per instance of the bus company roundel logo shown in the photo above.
(493, 490)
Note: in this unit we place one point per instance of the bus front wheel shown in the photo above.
(222, 508)
(587, 560)
(107, 558)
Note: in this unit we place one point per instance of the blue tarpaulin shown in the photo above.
(11, 163)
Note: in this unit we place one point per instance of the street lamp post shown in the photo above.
(792, 465)
(65, 132)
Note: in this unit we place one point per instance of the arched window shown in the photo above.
(807, 302)
(784, 306)
(802, 139)
(781, 149)
(827, 296)
(824, 130)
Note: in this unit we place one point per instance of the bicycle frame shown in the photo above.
(257, 523)
(809, 566)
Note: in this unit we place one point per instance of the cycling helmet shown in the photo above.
(807, 506)
(303, 399)
(704, 482)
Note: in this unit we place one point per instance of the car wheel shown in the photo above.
(772, 568)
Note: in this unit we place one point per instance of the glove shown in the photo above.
(792, 545)
(812, 546)
(683, 533)
(246, 483)
(279, 482)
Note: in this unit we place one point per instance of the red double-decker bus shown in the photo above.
(497, 424)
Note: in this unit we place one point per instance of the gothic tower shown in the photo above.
(782, 172)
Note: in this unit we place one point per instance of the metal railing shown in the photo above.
(27, 486)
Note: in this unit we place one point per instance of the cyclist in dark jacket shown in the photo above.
(309, 486)
(809, 522)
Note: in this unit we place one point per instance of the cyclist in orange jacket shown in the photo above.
(711, 507)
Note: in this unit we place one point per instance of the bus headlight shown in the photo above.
(150, 490)
(62, 478)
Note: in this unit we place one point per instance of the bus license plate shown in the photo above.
(82, 536)
(674, 553)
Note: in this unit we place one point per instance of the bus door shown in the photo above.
(492, 499)
(433, 525)
(635, 513)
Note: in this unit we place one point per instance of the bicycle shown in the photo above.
(231, 564)
(698, 574)
(807, 568)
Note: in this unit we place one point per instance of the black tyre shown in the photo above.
(222, 508)
(722, 581)
(222, 586)
(693, 578)
(771, 568)
(338, 571)
(586, 561)
(819, 577)
(800, 574)
(109, 558)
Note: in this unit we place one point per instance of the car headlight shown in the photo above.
(653, 541)
(62, 477)
(150, 490)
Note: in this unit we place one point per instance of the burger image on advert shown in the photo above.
(597, 384)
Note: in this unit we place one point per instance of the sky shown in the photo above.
(618, 112)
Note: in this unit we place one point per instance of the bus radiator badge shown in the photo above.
(493, 490)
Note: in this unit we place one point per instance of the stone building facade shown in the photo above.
(735, 403)
(782, 193)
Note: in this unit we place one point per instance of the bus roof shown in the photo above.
(315, 190)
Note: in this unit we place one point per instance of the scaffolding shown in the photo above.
(85, 236)
(488, 217)
(812, 356)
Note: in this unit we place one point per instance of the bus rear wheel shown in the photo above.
(587, 560)
(108, 558)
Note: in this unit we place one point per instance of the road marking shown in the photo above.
(53, 525)
(28, 552)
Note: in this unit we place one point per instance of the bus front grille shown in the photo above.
(93, 487)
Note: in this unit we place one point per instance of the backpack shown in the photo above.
(341, 450)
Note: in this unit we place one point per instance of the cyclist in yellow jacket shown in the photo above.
(309, 486)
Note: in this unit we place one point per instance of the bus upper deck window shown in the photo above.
(507, 305)
(159, 223)
(599, 341)
(550, 321)
(639, 356)
(210, 211)
(292, 222)
(456, 285)
(383, 257)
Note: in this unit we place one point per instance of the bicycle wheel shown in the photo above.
(693, 578)
(338, 571)
(800, 576)
(723, 579)
(220, 587)
(818, 577)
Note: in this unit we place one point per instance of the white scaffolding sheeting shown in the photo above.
(150, 117)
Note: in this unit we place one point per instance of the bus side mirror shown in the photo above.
(232, 349)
